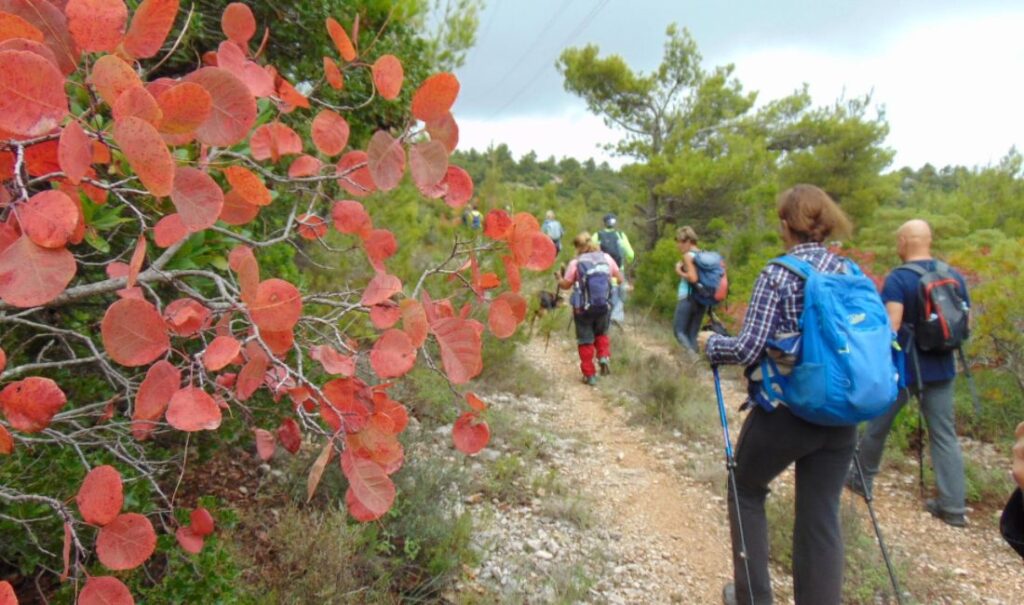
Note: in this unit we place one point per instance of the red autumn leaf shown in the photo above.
(138, 256)
(36, 48)
(111, 76)
(393, 354)
(517, 303)
(238, 23)
(497, 224)
(234, 108)
(428, 163)
(31, 275)
(147, 154)
(6, 442)
(381, 288)
(74, 152)
(151, 24)
(101, 495)
(242, 261)
(49, 18)
(354, 174)
(289, 435)
(304, 165)
(380, 245)
(49, 218)
(14, 27)
(197, 197)
(259, 80)
(3, 359)
(344, 400)
(385, 315)
(460, 187)
(542, 252)
(251, 376)
(30, 404)
(280, 341)
(341, 40)
(414, 321)
(169, 230)
(311, 226)
(370, 485)
(41, 158)
(162, 381)
(357, 510)
(192, 409)
(221, 351)
(460, 348)
(512, 273)
(350, 217)
(126, 542)
(273, 140)
(265, 444)
(104, 590)
(395, 412)
(387, 76)
(186, 316)
(202, 521)
(96, 25)
(185, 107)
(332, 74)
(137, 102)
(100, 153)
(237, 210)
(435, 97)
(446, 130)
(188, 540)
(277, 305)
(289, 95)
(330, 132)
(470, 434)
(332, 361)
(249, 185)
(32, 99)
(386, 160)
(377, 442)
(133, 332)
(475, 402)
(501, 319)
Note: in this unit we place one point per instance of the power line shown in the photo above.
(580, 28)
(530, 48)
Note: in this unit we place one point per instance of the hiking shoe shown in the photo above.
(590, 380)
(729, 594)
(954, 519)
(604, 362)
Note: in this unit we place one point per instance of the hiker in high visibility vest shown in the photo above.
(616, 244)
(472, 218)
(770, 441)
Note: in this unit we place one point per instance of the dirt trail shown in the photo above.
(646, 494)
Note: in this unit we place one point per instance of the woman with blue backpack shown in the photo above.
(590, 275)
(689, 311)
(796, 414)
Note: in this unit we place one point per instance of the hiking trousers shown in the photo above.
(591, 338)
(768, 443)
(937, 407)
(686, 321)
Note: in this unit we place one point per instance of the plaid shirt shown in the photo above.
(775, 307)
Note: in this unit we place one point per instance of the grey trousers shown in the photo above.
(937, 408)
(768, 443)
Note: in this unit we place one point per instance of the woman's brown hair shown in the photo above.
(811, 215)
(686, 234)
(584, 243)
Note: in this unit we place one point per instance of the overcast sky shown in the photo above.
(949, 74)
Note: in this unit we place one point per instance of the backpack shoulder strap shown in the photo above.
(916, 268)
(800, 267)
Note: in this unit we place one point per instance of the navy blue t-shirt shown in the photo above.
(902, 286)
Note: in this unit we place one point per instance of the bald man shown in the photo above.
(934, 387)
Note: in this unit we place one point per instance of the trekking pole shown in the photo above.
(730, 466)
(970, 382)
(868, 498)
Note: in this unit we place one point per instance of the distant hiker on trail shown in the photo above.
(590, 276)
(772, 440)
(616, 244)
(1011, 525)
(689, 313)
(930, 370)
(472, 218)
(553, 229)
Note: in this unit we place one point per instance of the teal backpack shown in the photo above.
(847, 360)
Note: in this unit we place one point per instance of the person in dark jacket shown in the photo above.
(771, 440)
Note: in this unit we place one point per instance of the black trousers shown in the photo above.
(768, 443)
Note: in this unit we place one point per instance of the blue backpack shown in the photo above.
(593, 289)
(847, 361)
(712, 284)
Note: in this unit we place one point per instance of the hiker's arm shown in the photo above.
(745, 348)
(568, 276)
(627, 249)
(679, 269)
(895, 311)
(689, 269)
